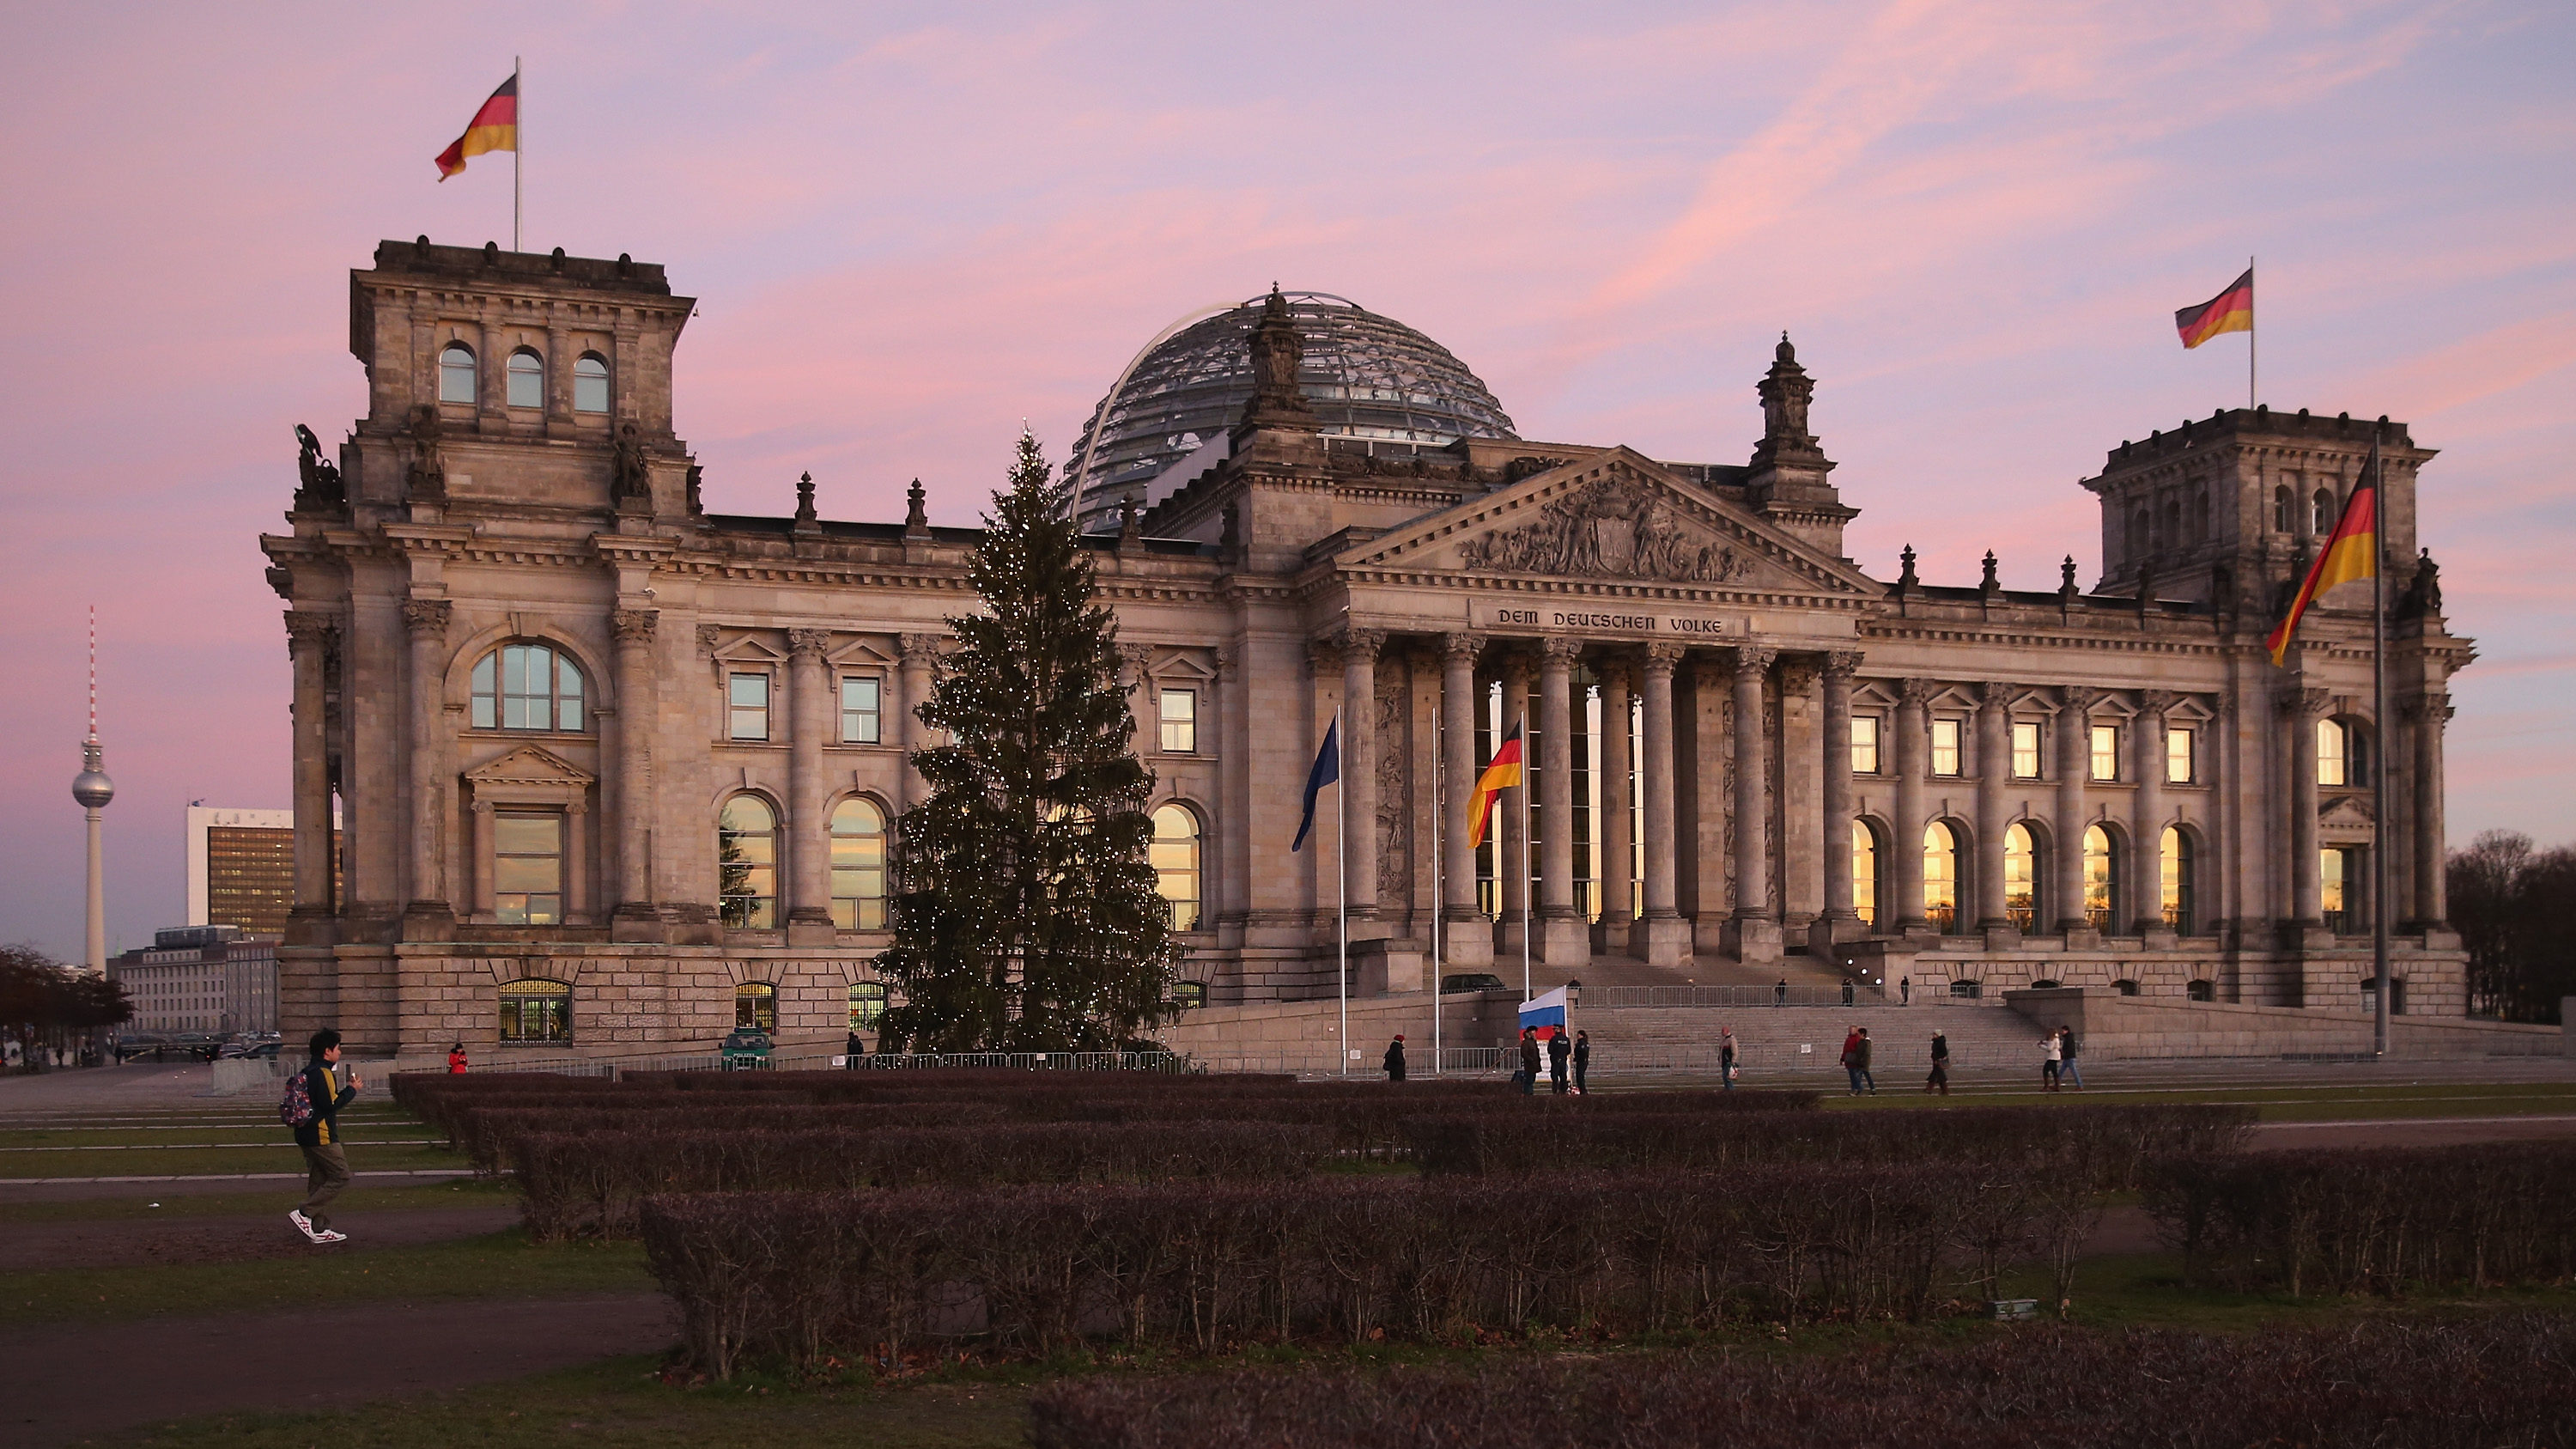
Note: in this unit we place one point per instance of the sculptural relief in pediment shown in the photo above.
(1609, 530)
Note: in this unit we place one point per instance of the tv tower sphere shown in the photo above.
(91, 787)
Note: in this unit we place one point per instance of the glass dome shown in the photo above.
(1367, 376)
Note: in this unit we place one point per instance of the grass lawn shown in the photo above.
(137, 1201)
(190, 1143)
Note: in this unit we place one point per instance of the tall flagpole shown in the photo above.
(518, 147)
(1523, 807)
(1439, 912)
(1342, 869)
(2252, 320)
(2379, 1005)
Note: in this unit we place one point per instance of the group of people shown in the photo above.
(2057, 1052)
(1560, 1053)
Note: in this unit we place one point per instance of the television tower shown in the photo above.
(93, 790)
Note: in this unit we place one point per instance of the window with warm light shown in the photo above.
(2106, 752)
(2181, 761)
(858, 866)
(2177, 867)
(1175, 856)
(1864, 744)
(2025, 749)
(2101, 879)
(1180, 720)
(1945, 747)
(2333, 767)
(1864, 848)
(2021, 879)
(527, 868)
(1941, 877)
(747, 863)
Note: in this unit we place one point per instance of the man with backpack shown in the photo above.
(314, 1097)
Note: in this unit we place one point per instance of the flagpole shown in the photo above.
(2251, 321)
(1439, 912)
(2379, 1005)
(1342, 869)
(1523, 807)
(518, 147)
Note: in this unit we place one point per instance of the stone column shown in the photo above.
(1565, 938)
(2427, 715)
(1842, 917)
(1468, 940)
(2074, 763)
(1994, 768)
(308, 647)
(482, 900)
(1667, 937)
(559, 360)
(426, 621)
(2302, 708)
(920, 652)
(1912, 722)
(577, 848)
(638, 706)
(1756, 926)
(1511, 851)
(2147, 823)
(1618, 822)
(809, 844)
(493, 378)
(1359, 768)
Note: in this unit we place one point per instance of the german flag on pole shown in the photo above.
(1502, 772)
(494, 128)
(2350, 552)
(2229, 311)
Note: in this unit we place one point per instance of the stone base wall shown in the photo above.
(2136, 1027)
(2435, 981)
(1305, 1036)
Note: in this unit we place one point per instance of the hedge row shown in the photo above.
(2375, 1221)
(593, 1182)
(1206, 1265)
(1371, 1122)
(2391, 1384)
(2106, 1147)
(483, 1133)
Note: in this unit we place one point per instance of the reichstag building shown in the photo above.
(615, 772)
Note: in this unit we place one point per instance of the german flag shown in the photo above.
(1502, 772)
(2350, 552)
(2229, 311)
(494, 128)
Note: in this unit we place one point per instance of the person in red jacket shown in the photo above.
(456, 1060)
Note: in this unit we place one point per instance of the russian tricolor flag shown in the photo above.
(1546, 1013)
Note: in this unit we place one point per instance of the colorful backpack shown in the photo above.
(295, 1109)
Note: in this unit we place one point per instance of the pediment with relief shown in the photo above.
(1615, 517)
(529, 765)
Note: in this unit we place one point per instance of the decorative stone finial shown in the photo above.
(1905, 578)
(806, 521)
(1990, 584)
(916, 517)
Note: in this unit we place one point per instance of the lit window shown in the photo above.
(2106, 752)
(456, 374)
(2101, 879)
(747, 700)
(1945, 747)
(2025, 750)
(526, 687)
(2179, 760)
(1941, 877)
(1864, 744)
(2332, 766)
(1180, 721)
(590, 384)
(755, 1005)
(747, 863)
(1175, 853)
(527, 379)
(536, 1011)
(2177, 881)
(1189, 994)
(867, 1003)
(527, 869)
(2337, 886)
(858, 866)
(1864, 848)
(860, 723)
(2021, 879)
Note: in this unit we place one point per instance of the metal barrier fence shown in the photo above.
(1617, 998)
(613, 1067)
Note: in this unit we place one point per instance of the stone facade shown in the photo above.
(581, 731)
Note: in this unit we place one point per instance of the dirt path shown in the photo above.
(116, 1243)
(97, 1381)
(2412, 1132)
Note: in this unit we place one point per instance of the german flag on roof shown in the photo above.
(2229, 311)
(494, 128)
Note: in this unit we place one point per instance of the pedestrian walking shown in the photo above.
(1780, 993)
(1527, 1077)
(851, 1051)
(2067, 1070)
(1560, 1051)
(1861, 1053)
(1939, 1081)
(456, 1060)
(1582, 1059)
(1847, 991)
(312, 1106)
(1394, 1062)
(1850, 1058)
(1726, 1057)
(2049, 1060)
(1905, 990)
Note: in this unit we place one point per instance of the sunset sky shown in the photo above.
(913, 226)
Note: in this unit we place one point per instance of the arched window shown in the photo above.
(747, 863)
(1175, 854)
(867, 1003)
(2284, 510)
(534, 1010)
(858, 866)
(1864, 848)
(2101, 879)
(2334, 767)
(755, 1005)
(1941, 877)
(2021, 879)
(527, 687)
(2177, 882)
(527, 379)
(2321, 518)
(2142, 539)
(590, 383)
(456, 374)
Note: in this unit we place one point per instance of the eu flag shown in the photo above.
(1328, 768)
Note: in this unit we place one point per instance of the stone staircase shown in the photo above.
(1803, 1044)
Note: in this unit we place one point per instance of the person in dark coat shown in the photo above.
(1847, 991)
(2068, 1072)
(854, 1050)
(1529, 1060)
(1726, 1057)
(1559, 1050)
(1394, 1062)
(1780, 993)
(326, 1166)
(1861, 1052)
(1582, 1059)
(1939, 1081)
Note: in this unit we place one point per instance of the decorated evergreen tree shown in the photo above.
(1025, 913)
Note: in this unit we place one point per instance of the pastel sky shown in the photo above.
(913, 225)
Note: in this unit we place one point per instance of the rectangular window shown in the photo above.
(527, 869)
(1945, 747)
(747, 698)
(859, 715)
(2106, 752)
(1864, 745)
(1180, 721)
(2179, 759)
(2025, 750)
